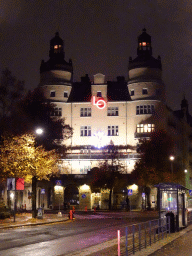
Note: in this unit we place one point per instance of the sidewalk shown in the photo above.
(25, 219)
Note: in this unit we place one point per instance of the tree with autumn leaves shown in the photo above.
(20, 157)
(154, 165)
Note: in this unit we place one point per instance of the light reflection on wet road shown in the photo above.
(60, 238)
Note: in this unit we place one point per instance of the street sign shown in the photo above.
(83, 196)
(42, 191)
(143, 194)
(190, 192)
(58, 183)
(20, 184)
(10, 183)
(130, 192)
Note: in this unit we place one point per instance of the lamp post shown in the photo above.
(38, 131)
(172, 158)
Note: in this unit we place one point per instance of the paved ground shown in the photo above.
(178, 243)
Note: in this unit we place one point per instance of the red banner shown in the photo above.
(19, 184)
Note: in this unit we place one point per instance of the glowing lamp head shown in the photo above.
(39, 131)
(172, 158)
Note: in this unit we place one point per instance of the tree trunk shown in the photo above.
(34, 196)
(110, 195)
(147, 193)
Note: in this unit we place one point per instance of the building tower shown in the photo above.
(146, 87)
(56, 74)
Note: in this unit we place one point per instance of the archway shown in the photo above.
(71, 196)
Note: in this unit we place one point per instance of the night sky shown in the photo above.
(99, 37)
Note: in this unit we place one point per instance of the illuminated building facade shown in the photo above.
(103, 112)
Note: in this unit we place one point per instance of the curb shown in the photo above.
(31, 224)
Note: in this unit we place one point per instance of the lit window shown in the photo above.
(144, 44)
(85, 169)
(132, 92)
(113, 130)
(52, 93)
(113, 111)
(145, 128)
(56, 112)
(99, 95)
(85, 130)
(57, 48)
(144, 109)
(144, 91)
(85, 112)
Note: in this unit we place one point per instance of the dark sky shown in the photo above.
(99, 37)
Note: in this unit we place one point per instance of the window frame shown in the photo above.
(65, 92)
(99, 94)
(112, 130)
(144, 91)
(52, 92)
(113, 111)
(85, 131)
(145, 128)
(145, 109)
(85, 112)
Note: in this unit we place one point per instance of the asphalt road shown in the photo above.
(63, 238)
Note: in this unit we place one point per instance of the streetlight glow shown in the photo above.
(185, 170)
(39, 131)
(172, 158)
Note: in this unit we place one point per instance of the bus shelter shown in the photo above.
(172, 198)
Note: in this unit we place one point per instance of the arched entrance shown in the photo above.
(71, 196)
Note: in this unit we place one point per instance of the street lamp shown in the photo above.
(39, 131)
(172, 158)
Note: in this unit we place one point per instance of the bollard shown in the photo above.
(70, 214)
(118, 241)
(73, 209)
(85, 208)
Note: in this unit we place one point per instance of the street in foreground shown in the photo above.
(63, 238)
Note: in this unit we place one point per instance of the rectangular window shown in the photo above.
(137, 110)
(141, 109)
(56, 112)
(113, 130)
(144, 109)
(85, 169)
(52, 93)
(145, 128)
(132, 92)
(99, 95)
(113, 111)
(65, 94)
(144, 91)
(85, 112)
(85, 131)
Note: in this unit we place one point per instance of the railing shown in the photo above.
(139, 236)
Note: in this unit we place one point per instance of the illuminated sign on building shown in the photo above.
(100, 103)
